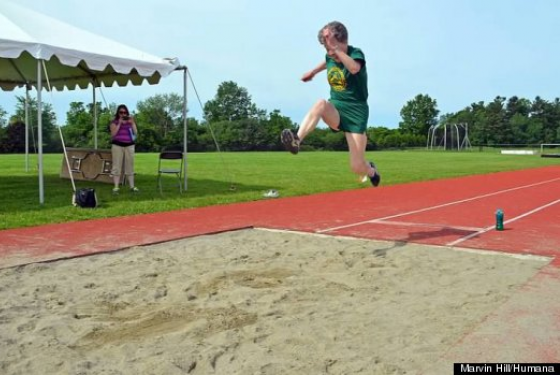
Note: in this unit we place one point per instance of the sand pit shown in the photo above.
(250, 302)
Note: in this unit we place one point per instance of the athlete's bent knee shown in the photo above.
(320, 106)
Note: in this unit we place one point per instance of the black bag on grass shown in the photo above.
(85, 198)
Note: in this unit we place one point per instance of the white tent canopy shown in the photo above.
(73, 58)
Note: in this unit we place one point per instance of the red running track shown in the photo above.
(530, 200)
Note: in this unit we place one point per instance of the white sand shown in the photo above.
(250, 302)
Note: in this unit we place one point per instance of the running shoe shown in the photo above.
(290, 141)
(116, 191)
(376, 178)
(134, 190)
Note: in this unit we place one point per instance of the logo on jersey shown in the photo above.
(336, 79)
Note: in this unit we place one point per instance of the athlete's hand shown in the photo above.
(308, 76)
(331, 44)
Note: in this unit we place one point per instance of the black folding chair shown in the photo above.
(170, 162)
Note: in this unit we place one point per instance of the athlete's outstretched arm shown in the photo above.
(310, 74)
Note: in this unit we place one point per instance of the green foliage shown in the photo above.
(234, 123)
(79, 129)
(3, 136)
(384, 138)
(511, 121)
(419, 115)
(231, 103)
(51, 139)
(3, 120)
(335, 141)
(251, 134)
(162, 113)
(12, 139)
(273, 125)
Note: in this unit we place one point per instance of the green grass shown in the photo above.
(211, 174)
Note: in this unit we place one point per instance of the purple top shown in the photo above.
(124, 135)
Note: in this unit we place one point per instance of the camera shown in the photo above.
(125, 118)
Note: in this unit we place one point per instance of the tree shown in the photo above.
(517, 119)
(231, 103)
(555, 118)
(163, 111)
(51, 139)
(512, 121)
(3, 119)
(79, 130)
(377, 135)
(78, 125)
(419, 115)
(517, 106)
(13, 140)
(479, 125)
(194, 132)
(496, 122)
(3, 122)
(518, 125)
(551, 121)
(272, 126)
(333, 140)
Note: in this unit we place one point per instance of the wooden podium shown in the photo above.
(88, 165)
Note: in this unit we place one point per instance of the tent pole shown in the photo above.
(27, 127)
(94, 119)
(40, 132)
(185, 126)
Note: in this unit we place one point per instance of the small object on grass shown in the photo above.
(271, 194)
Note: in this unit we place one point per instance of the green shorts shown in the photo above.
(353, 116)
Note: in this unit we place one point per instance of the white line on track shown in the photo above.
(438, 206)
(468, 237)
(461, 249)
(427, 225)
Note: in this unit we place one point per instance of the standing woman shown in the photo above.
(123, 136)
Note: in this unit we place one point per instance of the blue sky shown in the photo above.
(458, 52)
